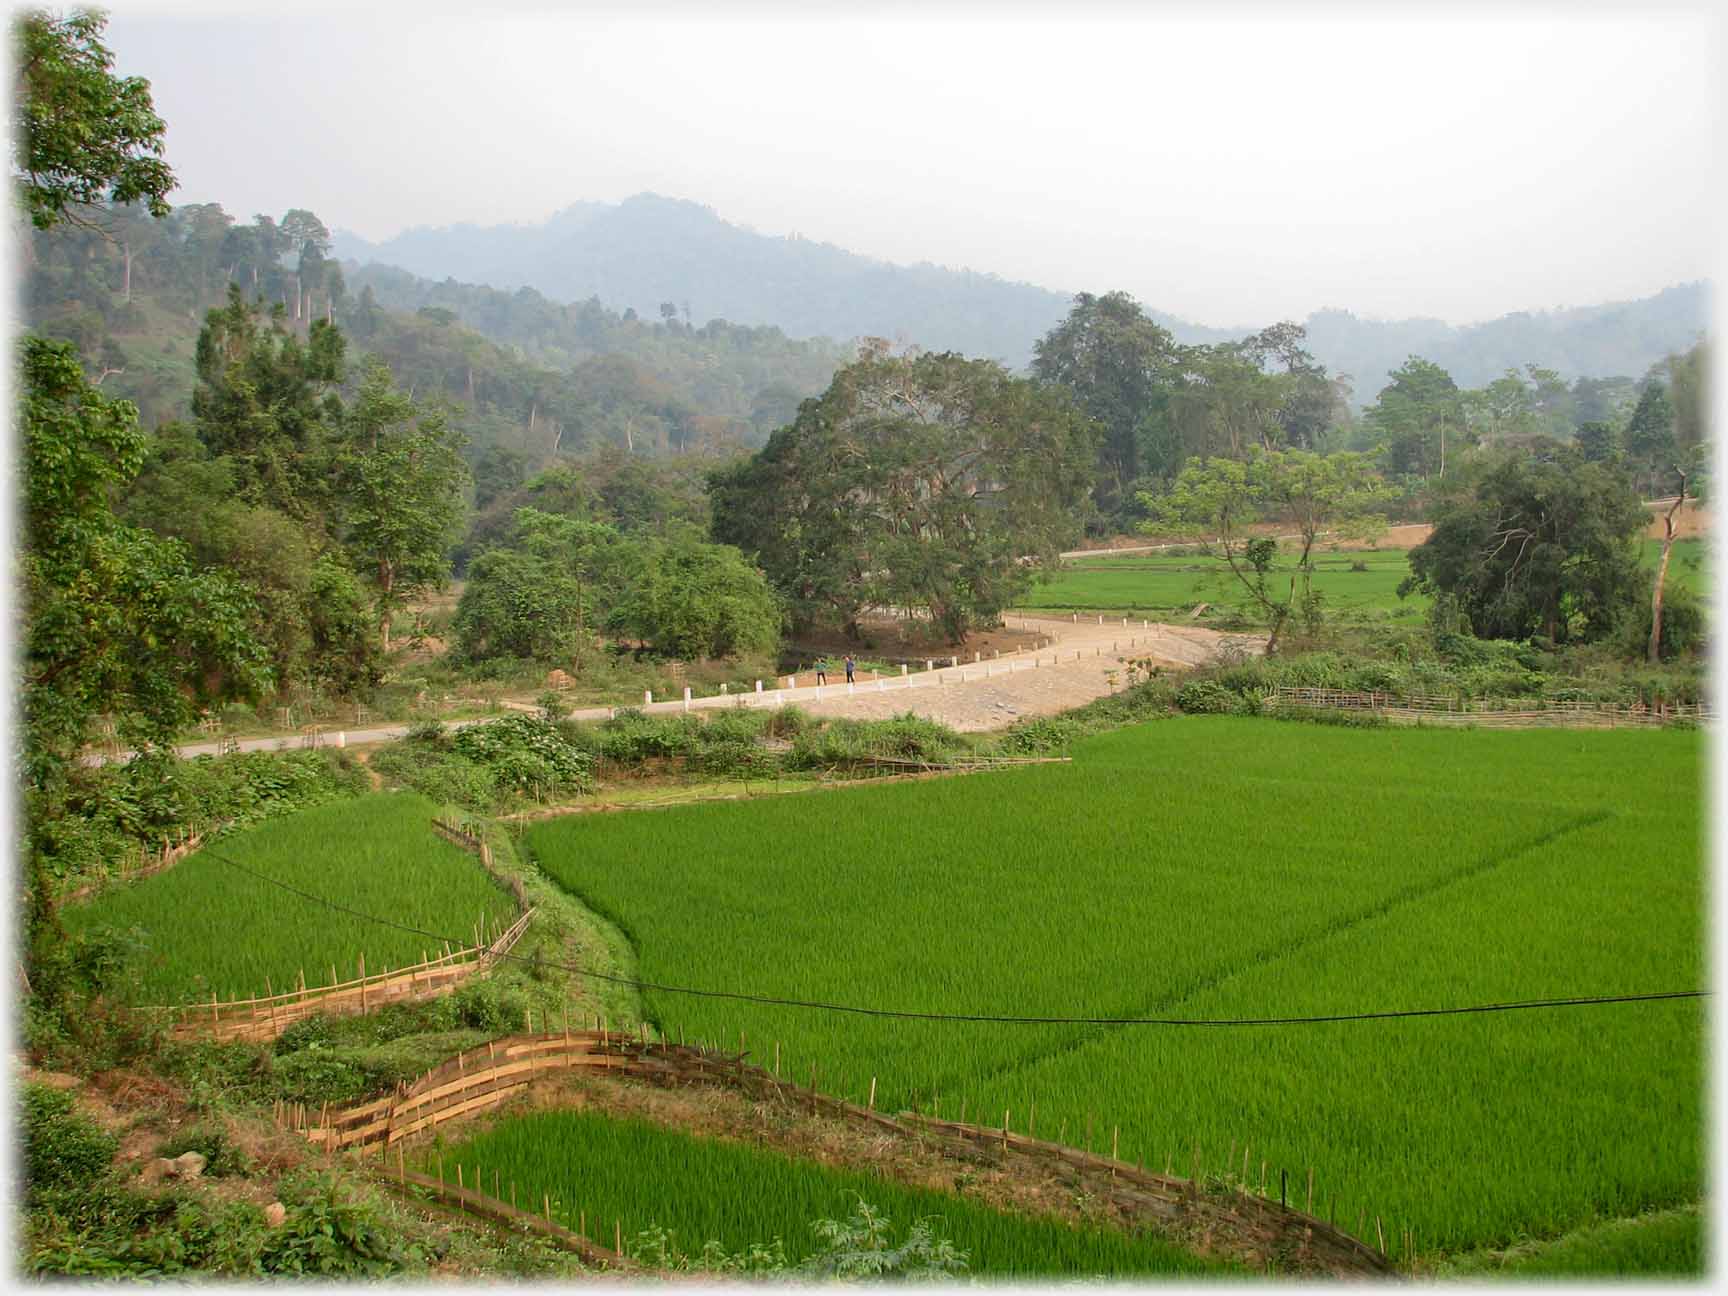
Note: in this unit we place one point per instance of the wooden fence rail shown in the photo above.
(264, 1017)
(471, 1202)
(481, 1078)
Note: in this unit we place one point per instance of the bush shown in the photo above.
(1208, 697)
(63, 1151)
(332, 1229)
(1040, 734)
(632, 737)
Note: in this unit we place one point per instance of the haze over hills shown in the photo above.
(648, 250)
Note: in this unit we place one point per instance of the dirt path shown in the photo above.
(1071, 669)
(1075, 670)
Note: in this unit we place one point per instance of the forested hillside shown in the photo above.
(528, 376)
(649, 253)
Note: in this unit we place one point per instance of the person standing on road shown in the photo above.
(822, 671)
(850, 665)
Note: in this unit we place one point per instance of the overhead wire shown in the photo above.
(908, 1014)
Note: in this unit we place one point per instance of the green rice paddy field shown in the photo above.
(1172, 583)
(702, 1189)
(1227, 867)
(211, 928)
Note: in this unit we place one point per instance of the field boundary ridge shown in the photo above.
(1491, 713)
(481, 1078)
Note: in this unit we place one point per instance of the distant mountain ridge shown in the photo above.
(649, 249)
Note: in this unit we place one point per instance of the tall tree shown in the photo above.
(1418, 419)
(1649, 437)
(1121, 365)
(267, 402)
(402, 476)
(81, 133)
(919, 482)
(117, 620)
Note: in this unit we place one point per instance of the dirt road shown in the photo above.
(1072, 668)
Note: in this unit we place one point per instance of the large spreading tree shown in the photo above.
(920, 482)
(1540, 543)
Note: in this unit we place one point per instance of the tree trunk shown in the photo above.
(386, 580)
(1668, 529)
(126, 285)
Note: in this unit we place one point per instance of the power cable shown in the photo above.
(908, 1014)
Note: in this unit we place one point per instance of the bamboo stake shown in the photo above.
(618, 1236)
(871, 1105)
(1308, 1209)
(1380, 1234)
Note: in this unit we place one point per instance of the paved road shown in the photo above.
(1072, 668)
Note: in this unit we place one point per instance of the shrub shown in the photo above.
(1208, 697)
(63, 1151)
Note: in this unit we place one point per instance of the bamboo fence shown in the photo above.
(1223, 1209)
(1490, 713)
(267, 1016)
(472, 1202)
(148, 864)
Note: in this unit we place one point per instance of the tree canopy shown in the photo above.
(1529, 546)
(919, 482)
(81, 134)
(1314, 494)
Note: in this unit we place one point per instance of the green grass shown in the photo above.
(1227, 867)
(640, 1175)
(1168, 584)
(1663, 1244)
(210, 927)
(1688, 567)
(1161, 584)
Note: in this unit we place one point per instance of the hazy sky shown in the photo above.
(1231, 165)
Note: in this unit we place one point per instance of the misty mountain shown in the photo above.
(648, 250)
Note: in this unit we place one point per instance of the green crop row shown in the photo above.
(206, 927)
(628, 1176)
(1223, 867)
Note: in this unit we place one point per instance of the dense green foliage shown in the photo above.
(1299, 871)
(114, 811)
(82, 134)
(1526, 546)
(914, 482)
(488, 767)
(586, 375)
(702, 1190)
(208, 927)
